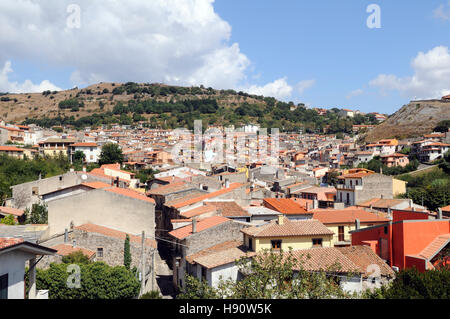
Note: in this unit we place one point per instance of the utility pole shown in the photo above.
(142, 263)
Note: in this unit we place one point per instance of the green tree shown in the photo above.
(76, 257)
(154, 294)
(37, 215)
(111, 153)
(8, 220)
(412, 284)
(127, 253)
(79, 157)
(97, 281)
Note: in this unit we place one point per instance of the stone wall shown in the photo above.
(375, 186)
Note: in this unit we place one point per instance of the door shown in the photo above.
(4, 287)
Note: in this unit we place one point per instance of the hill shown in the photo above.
(412, 120)
(166, 106)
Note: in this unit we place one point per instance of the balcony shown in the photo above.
(349, 187)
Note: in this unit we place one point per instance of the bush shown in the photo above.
(97, 281)
(154, 294)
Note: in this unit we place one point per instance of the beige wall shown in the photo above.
(102, 208)
(297, 243)
(398, 187)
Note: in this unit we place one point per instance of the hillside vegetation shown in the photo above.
(412, 120)
(166, 106)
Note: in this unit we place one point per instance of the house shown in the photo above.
(91, 151)
(218, 262)
(261, 214)
(342, 221)
(11, 134)
(383, 204)
(362, 157)
(54, 146)
(446, 211)
(433, 151)
(12, 151)
(355, 188)
(197, 236)
(288, 207)
(284, 233)
(114, 171)
(394, 160)
(346, 112)
(352, 267)
(325, 196)
(411, 239)
(14, 253)
(107, 207)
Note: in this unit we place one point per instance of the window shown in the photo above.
(385, 230)
(4, 286)
(250, 243)
(341, 233)
(276, 244)
(60, 178)
(317, 242)
(35, 191)
(99, 252)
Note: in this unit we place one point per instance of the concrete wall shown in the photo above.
(13, 264)
(375, 185)
(224, 272)
(102, 208)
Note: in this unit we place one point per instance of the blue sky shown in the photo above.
(263, 47)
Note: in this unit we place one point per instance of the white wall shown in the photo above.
(13, 264)
(227, 271)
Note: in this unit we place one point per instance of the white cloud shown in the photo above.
(302, 86)
(279, 89)
(180, 42)
(355, 93)
(442, 12)
(26, 87)
(431, 78)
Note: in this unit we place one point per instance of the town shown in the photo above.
(174, 219)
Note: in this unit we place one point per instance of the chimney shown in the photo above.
(439, 213)
(74, 243)
(65, 235)
(371, 207)
(194, 226)
(84, 169)
(227, 183)
(280, 220)
(357, 224)
(411, 203)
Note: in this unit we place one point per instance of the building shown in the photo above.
(197, 236)
(411, 239)
(12, 151)
(355, 188)
(394, 160)
(91, 151)
(14, 253)
(346, 112)
(284, 234)
(55, 146)
(342, 221)
(288, 207)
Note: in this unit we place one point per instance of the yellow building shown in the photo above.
(55, 146)
(398, 187)
(12, 151)
(342, 221)
(284, 234)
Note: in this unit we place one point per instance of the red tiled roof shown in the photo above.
(130, 193)
(435, 246)
(198, 211)
(8, 242)
(285, 206)
(203, 224)
(64, 250)
(230, 209)
(95, 184)
(92, 228)
(305, 227)
(11, 211)
(84, 144)
(446, 208)
(334, 216)
(363, 257)
(228, 252)
(209, 195)
(10, 149)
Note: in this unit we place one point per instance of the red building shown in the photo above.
(409, 240)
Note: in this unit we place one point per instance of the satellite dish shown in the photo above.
(84, 177)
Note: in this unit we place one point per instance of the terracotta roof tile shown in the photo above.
(306, 227)
(8, 242)
(64, 250)
(11, 211)
(95, 184)
(335, 216)
(130, 193)
(92, 228)
(203, 224)
(198, 211)
(230, 209)
(363, 257)
(285, 205)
